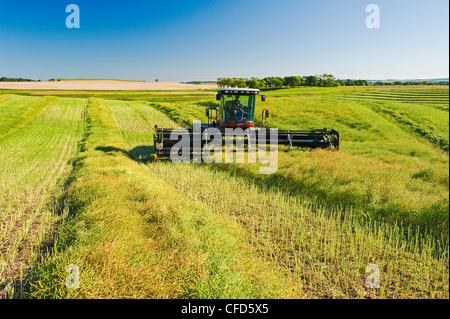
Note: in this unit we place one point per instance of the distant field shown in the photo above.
(437, 97)
(81, 183)
(97, 80)
(423, 112)
(103, 85)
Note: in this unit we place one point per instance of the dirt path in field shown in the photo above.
(105, 85)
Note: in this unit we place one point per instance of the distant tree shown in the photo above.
(277, 82)
(303, 81)
(254, 83)
(323, 80)
(6, 79)
(312, 80)
(268, 81)
(220, 82)
(239, 82)
(287, 81)
(225, 82)
(327, 80)
(292, 81)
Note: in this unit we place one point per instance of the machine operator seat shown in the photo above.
(233, 111)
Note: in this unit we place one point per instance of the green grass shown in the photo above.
(39, 141)
(435, 97)
(134, 236)
(326, 251)
(323, 252)
(424, 120)
(143, 229)
(392, 164)
(13, 111)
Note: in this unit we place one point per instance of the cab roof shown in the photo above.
(238, 91)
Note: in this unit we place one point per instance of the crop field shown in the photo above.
(79, 187)
(39, 137)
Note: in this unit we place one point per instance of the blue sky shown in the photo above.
(184, 40)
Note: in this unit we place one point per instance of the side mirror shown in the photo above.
(267, 113)
(207, 113)
(218, 96)
(263, 98)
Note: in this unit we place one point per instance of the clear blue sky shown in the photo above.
(184, 40)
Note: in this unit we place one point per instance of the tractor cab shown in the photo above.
(237, 107)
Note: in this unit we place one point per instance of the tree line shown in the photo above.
(324, 80)
(411, 83)
(274, 82)
(5, 79)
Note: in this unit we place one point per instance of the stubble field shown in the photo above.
(79, 187)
